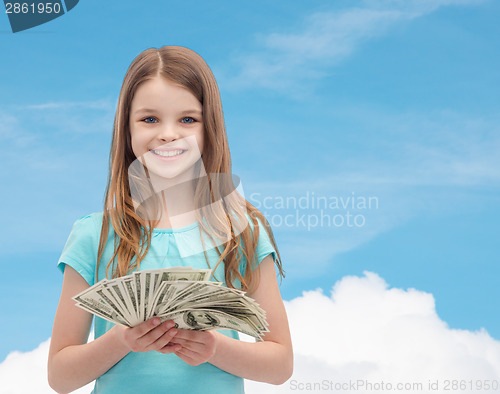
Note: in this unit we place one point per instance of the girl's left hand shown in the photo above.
(197, 347)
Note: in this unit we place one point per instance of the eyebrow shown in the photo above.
(188, 111)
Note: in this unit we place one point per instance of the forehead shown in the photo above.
(160, 93)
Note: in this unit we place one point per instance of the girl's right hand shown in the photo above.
(148, 336)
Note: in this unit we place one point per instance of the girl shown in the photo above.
(169, 202)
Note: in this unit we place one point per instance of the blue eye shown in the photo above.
(150, 118)
(189, 117)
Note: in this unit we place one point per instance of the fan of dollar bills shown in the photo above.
(182, 294)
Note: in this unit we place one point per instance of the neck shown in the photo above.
(175, 199)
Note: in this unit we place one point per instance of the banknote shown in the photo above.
(182, 294)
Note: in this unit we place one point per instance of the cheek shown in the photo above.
(138, 145)
(133, 143)
(200, 138)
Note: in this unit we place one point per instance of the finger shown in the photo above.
(148, 340)
(193, 346)
(178, 340)
(163, 340)
(188, 353)
(185, 358)
(192, 335)
(153, 323)
(170, 348)
(132, 335)
(145, 327)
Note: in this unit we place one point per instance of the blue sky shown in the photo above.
(397, 100)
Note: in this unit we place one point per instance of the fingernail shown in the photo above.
(172, 332)
(156, 321)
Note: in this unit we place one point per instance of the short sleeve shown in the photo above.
(264, 246)
(80, 250)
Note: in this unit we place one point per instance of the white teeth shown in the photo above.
(169, 153)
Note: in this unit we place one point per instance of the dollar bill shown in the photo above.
(182, 294)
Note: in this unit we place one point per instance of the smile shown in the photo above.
(170, 153)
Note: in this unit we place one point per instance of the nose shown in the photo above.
(168, 132)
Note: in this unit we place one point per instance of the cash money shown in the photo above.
(182, 294)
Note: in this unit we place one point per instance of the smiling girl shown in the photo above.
(169, 140)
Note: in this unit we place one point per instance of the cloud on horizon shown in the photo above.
(364, 330)
(26, 372)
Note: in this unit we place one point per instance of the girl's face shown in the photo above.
(166, 127)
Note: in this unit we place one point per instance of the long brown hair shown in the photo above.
(186, 68)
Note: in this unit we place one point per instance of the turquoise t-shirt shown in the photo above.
(154, 372)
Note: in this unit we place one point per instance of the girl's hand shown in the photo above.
(150, 335)
(197, 347)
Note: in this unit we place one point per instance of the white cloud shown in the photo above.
(369, 332)
(12, 133)
(325, 39)
(26, 372)
(364, 331)
(101, 104)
